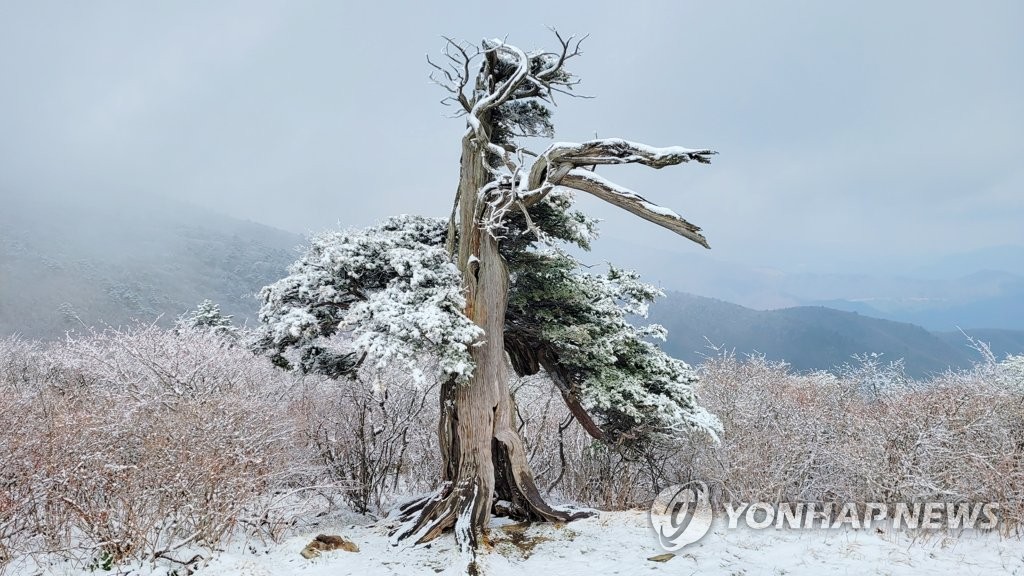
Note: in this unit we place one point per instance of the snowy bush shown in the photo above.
(869, 434)
(1012, 373)
(372, 433)
(148, 443)
(140, 443)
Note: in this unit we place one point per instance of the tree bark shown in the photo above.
(483, 455)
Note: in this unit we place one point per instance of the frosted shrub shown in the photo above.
(148, 443)
(778, 429)
(375, 433)
(139, 443)
(16, 370)
(869, 434)
(20, 364)
(1012, 374)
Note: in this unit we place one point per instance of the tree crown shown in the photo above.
(397, 291)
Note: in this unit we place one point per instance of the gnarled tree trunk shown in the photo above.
(482, 452)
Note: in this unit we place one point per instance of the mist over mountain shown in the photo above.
(67, 262)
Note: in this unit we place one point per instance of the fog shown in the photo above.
(867, 135)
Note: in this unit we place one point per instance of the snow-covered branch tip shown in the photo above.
(455, 72)
(569, 50)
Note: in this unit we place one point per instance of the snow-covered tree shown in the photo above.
(491, 287)
(207, 315)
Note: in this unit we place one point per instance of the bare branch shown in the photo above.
(456, 74)
(568, 51)
(619, 151)
(530, 226)
(543, 84)
(569, 92)
(519, 149)
(495, 201)
(464, 58)
(565, 165)
(452, 227)
(592, 183)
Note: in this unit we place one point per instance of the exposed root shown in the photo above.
(458, 506)
(453, 506)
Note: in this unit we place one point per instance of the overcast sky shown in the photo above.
(872, 131)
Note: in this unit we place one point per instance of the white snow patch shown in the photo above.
(620, 543)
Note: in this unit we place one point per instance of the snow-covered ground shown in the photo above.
(621, 543)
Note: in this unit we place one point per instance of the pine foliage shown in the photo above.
(392, 293)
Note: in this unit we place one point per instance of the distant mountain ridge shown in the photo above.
(814, 337)
(67, 263)
(980, 289)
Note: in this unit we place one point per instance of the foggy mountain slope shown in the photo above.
(810, 337)
(65, 262)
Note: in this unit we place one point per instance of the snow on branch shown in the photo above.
(392, 287)
(619, 151)
(580, 327)
(560, 165)
(500, 53)
(455, 72)
(508, 74)
(590, 182)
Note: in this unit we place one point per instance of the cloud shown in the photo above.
(845, 128)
